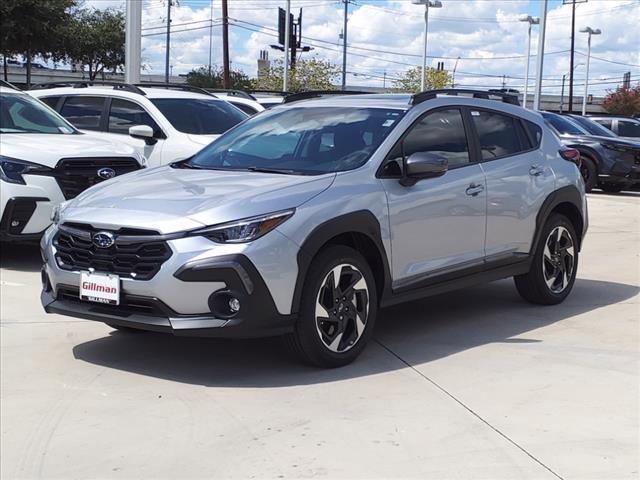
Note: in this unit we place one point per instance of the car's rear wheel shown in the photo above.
(554, 264)
(589, 173)
(338, 309)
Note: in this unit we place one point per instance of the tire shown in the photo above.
(327, 337)
(609, 188)
(545, 283)
(589, 173)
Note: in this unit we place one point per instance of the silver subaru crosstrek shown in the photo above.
(306, 219)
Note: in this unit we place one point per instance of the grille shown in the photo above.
(136, 253)
(74, 175)
(128, 304)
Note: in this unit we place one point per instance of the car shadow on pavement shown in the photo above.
(424, 330)
(23, 256)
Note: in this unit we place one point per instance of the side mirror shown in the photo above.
(420, 165)
(143, 132)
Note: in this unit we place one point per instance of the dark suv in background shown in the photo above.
(608, 162)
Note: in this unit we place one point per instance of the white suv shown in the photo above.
(44, 161)
(169, 123)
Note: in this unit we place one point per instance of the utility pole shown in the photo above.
(226, 79)
(344, 45)
(287, 35)
(132, 49)
(210, 36)
(168, 46)
(540, 57)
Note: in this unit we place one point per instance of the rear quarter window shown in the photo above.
(534, 132)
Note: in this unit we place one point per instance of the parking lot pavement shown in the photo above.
(472, 384)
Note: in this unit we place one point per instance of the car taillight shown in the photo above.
(572, 155)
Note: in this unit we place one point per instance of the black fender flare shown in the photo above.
(360, 222)
(567, 194)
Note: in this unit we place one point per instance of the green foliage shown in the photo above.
(33, 27)
(411, 80)
(200, 77)
(311, 74)
(623, 101)
(95, 38)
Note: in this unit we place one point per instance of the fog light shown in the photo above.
(234, 305)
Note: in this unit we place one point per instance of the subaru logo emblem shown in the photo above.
(106, 173)
(103, 239)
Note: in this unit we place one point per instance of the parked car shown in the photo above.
(609, 163)
(288, 223)
(242, 100)
(592, 128)
(169, 124)
(44, 160)
(622, 126)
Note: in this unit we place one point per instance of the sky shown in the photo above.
(385, 38)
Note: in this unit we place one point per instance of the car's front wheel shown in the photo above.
(554, 264)
(589, 173)
(338, 309)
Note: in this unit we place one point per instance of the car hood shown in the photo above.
(171, 199)
(598, 139)
(48, 149)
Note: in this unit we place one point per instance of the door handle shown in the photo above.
(536, 170)
(474, 189)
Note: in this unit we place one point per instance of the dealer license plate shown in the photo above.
(100, 288)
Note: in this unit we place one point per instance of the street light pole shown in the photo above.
(531, 21)
(287, 34)
(589, 31)
(427, 4)
(540, 58)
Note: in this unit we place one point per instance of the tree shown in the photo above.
(411, 80)
(95, 38)
(312, 74)
(200, 77)
(33, 27)
(623, 101)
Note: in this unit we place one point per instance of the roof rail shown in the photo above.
(431, 94)
(272, 92)
(4, 83)
(231, 93)
(127, 87)
(295, 97)
(175, 86)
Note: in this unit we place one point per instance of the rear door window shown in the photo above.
(628, 128)
(83, 112)
(498, 134)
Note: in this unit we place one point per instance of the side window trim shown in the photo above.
(472, 157)
(477, 138)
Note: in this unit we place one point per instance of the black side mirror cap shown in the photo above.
(421, 165)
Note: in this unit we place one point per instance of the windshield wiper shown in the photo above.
(272, 170)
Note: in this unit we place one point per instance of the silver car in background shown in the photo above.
(306, 219)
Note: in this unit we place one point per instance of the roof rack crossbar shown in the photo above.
(295, 97)
(431, 94)
(176, 86)
(231, 92)
(127, 87)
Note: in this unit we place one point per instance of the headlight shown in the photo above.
(57, 212)
(615, 146)
(12, 169)
(245, 230)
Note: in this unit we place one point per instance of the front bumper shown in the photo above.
(186, 297)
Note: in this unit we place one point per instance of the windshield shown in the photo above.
(20, 113)
(305, 141)
(564, 126)
(199, 116)
(592, 127)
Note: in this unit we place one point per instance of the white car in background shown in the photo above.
(44, 160)
(169, 122)
(238, 98)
